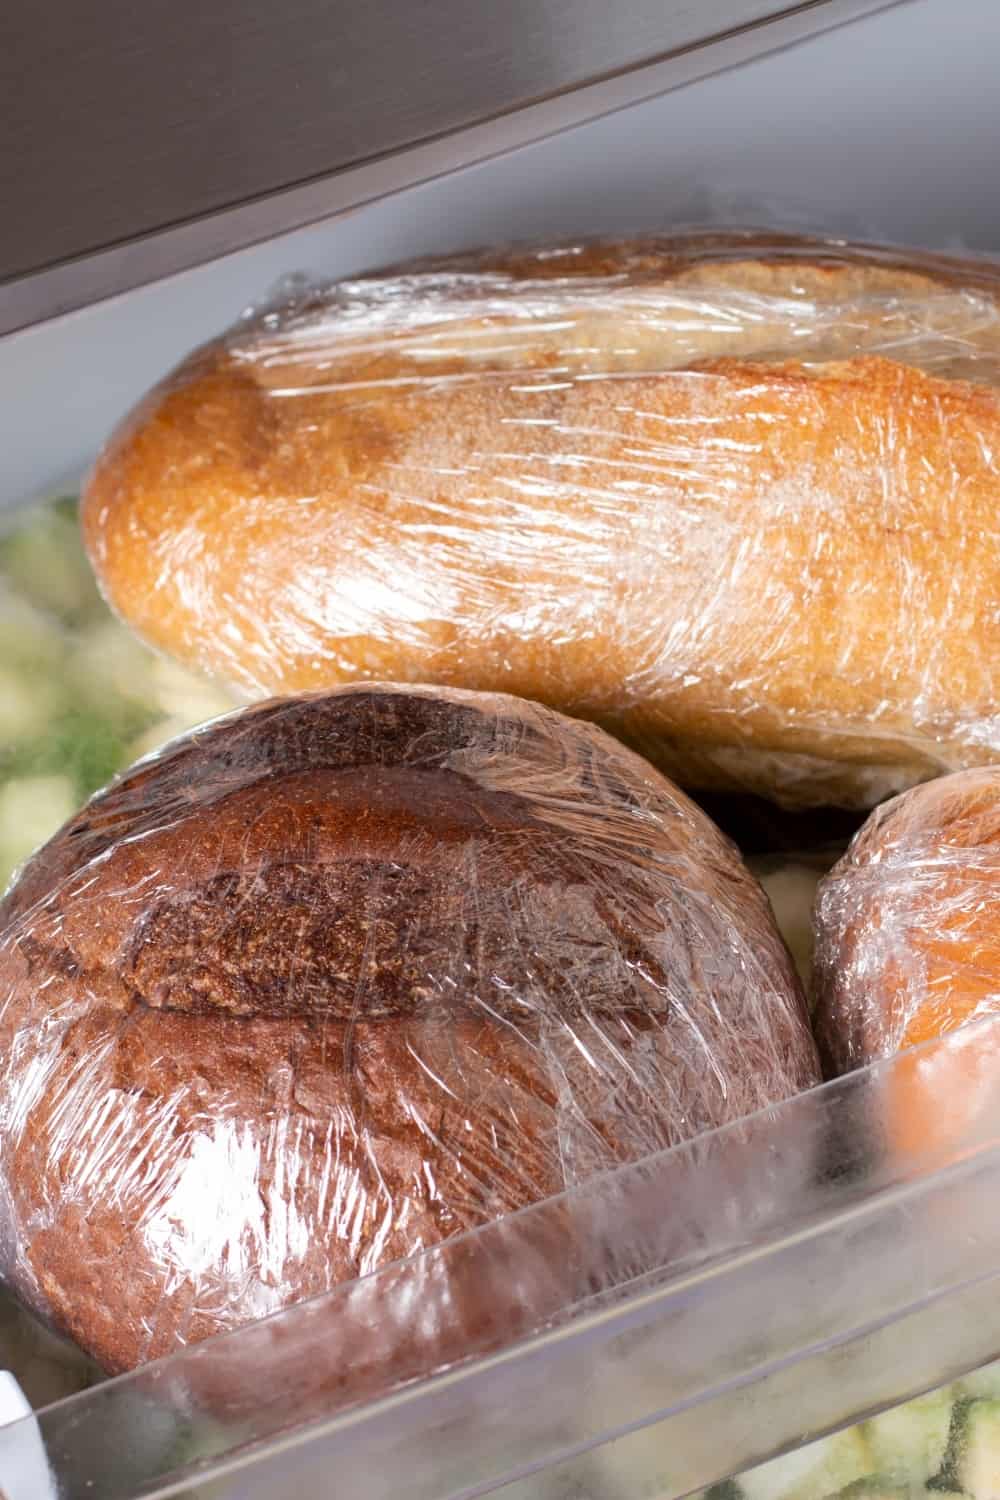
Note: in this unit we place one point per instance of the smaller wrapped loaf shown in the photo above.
(908, 949)
(336, 978)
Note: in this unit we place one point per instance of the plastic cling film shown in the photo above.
(336, 978)
(908, 950)
(730, 496)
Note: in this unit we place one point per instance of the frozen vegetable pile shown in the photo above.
(80, 697)
(943, 1444)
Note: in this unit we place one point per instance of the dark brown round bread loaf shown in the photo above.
(336, 978)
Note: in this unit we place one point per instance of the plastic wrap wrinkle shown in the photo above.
(731, 497)
(907, 930)
(908, 949)
(333, 979)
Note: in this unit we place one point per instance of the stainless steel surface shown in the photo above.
(138, 142)
(832, 135)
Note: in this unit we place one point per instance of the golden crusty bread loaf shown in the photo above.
(733, 500)
(334, 979)
(908, 951)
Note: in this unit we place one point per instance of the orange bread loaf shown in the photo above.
(733, 499)
(908, 951)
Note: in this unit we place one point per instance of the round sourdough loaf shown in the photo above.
(336, 978)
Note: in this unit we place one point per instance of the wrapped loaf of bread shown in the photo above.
(732, 498)
(336, 978)
(908, 951)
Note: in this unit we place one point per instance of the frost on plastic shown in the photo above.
(731, 496)
(336, 978)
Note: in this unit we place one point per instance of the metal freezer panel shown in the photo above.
(135, 145)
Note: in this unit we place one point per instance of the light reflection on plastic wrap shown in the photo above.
(731, 496)
(785, 1293)
(340, 977)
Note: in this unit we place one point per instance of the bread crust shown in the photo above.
(337, 978)
(732, 499)
(908, 938)
(907, 953)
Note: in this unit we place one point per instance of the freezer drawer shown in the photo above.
(742, 1296)
(761, 1286)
